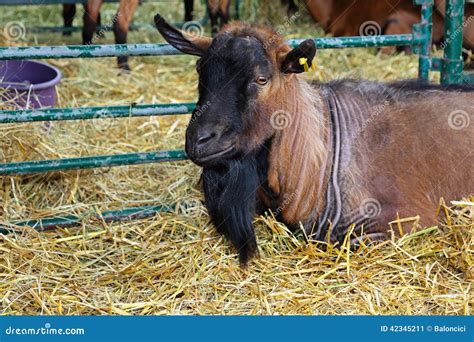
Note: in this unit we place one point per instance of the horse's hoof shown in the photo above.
(124, 69)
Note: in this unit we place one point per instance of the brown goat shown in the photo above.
(339, 159)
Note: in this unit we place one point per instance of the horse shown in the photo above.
(372, 17)
(120, 23)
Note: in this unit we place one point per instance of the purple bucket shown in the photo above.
(28, 84)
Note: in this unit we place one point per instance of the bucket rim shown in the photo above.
(37, 86)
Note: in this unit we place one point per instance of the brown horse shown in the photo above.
(120, 23)
(340, 159)
(372, 17)
(219, 13)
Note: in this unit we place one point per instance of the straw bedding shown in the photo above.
(176, 263)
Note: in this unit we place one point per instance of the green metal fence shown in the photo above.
(450, 66)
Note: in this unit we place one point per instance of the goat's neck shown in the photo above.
(299, 155)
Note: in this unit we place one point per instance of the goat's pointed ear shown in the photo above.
(185, 43)
(291, 62)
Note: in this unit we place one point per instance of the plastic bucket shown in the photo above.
(28, 84)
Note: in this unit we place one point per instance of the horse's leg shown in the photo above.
(292, 8)
(91, 20)
(224, 11)
(188, 10)
(121, 24)
(69, 11)
(213, 8)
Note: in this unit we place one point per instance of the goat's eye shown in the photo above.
(261, 80)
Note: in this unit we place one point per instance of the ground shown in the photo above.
(176, 263)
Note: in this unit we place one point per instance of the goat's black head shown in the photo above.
(242, 72)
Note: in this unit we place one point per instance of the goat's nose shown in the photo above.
(204, 137)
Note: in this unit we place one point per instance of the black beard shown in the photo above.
(230, 195)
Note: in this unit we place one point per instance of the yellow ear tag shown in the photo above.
(304, 61)
(313, 65)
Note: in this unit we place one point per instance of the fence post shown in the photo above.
(452, 68)
(423, 32)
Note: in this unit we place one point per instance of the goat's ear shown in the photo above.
(291, 62)
(180, 40)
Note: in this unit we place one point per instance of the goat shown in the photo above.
(340, 159)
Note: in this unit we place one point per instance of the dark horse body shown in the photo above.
(343, 159)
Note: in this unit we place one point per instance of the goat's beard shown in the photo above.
(230, 198)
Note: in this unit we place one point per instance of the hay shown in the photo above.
(177, 263)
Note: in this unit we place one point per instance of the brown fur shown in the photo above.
(121, 22)
(407, 157)
(302, 179)
(350, 154)
(426, 159)
(218, 10)
(346, 17)
(216, 5)
(126, 10)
